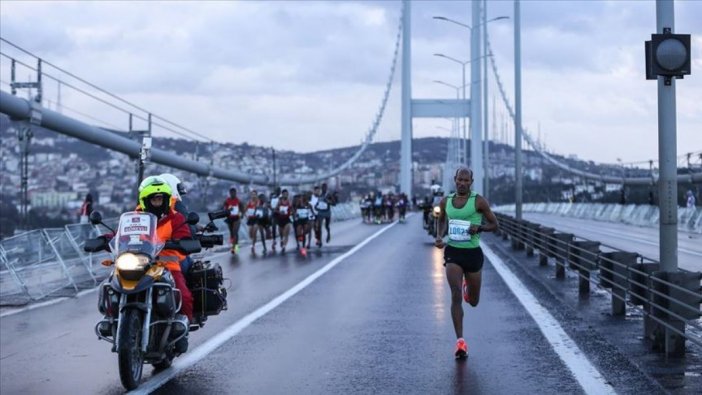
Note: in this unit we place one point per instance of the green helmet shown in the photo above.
(152, 186)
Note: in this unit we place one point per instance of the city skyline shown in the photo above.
(315, 81)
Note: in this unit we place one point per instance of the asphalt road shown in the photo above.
(377, 321)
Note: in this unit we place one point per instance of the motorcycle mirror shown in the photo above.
(95, 218)
(218, 214)
(193, 218)
(95, 245)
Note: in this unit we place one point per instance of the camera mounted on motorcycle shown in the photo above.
(218, 214)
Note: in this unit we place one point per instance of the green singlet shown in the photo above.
(460, 220)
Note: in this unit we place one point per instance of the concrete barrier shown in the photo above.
(689, 219)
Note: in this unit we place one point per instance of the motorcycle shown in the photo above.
(431, 212)
(434, 221)
(139, 300)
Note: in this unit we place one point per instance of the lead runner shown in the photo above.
(468, 214)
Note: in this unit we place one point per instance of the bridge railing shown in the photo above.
(670, 302)
(44, 263)
(689, 219)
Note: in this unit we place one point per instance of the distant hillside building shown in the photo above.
(52, 199)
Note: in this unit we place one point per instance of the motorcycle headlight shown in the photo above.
(437, 211)
(129, 262)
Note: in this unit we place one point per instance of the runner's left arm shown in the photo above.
(483, 207)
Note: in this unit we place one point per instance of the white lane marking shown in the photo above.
(192, 357)
(589, 378)
(78, 295)
(47, 303)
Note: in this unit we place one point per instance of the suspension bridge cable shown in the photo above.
(101, 100)
(379, 115)
(100, 89)
(218, 173)
(536, 146)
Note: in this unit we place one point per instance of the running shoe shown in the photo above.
(328, 237)
(466, 295)
(236, 248)
(461, 349)
(303, 252)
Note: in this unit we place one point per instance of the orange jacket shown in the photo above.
(172, 226)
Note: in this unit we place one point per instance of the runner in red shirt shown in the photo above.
(251, 219)
(235, 208)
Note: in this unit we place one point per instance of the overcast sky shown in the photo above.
(310, 75)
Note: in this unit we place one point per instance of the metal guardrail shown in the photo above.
(689, 218)
(670, 302)
(45, 263)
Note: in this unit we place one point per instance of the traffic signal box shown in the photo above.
(668, 55)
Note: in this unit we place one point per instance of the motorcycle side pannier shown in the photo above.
(205, 283)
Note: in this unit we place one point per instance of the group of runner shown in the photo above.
(270, 217)
(464, 215)
(378, 208)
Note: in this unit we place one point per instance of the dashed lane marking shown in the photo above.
(192, 357)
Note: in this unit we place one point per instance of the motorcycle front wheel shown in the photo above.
(166, 362)
(130, 356)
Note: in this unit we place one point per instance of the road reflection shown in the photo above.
(438, 282)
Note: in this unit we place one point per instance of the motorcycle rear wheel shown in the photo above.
(130, 356)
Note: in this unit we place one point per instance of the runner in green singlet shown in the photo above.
(464, 215)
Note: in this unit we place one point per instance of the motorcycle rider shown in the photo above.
(155, 198)
(178, 190)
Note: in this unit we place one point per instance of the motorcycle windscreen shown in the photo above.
(136, 233)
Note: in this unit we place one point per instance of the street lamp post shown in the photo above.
(275, 181)
(476, 146)
(463, 144)
(461, 147)
(451, 155)
(463, 69)
(517, 112)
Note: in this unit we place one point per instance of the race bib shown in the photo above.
(234, 210)
(303, 213)
(250, 212)
(322, 205)
(458, 230)
(274, 202)
(136, 225)
(259, 213)
(283, 209)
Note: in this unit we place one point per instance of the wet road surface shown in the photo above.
(378, 322)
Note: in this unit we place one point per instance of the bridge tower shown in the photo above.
(432, 108)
